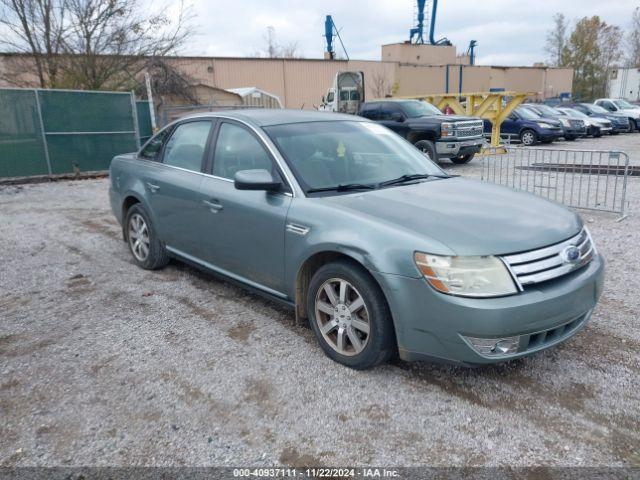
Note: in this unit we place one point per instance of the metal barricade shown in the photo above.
(585, 179)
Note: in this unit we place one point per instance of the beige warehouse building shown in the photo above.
(405, 70)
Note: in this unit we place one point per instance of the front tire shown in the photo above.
(350, 316)
(145, 246)
(428, 147)
(633, 125)
(462, 159)
(528, 137)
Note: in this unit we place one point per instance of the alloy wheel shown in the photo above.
(342, 316)
(527, 138)
(139, 237)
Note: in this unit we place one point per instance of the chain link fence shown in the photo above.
(49, 132)
(585, 179)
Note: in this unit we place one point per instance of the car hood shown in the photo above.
(549, 120)
(444, 118)
(468, 217)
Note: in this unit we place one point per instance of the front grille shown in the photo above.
(544, 338)
(471, 128)
(541, 265)
(576, 123)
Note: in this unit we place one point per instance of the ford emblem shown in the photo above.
(571, 254)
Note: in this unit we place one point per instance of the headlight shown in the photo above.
(545, 125)
(466, 276)
(565, 122)
(446, 129)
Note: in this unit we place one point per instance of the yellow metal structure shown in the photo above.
(494, 106)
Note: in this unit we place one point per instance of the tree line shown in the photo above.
(592, 47)
(91, 44)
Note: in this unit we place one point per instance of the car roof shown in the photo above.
(264, 117)
(382, 100)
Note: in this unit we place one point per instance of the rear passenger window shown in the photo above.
(370, 111)
(237, 149)
(186, 146)
(388, 109)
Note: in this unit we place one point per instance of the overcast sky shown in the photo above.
(509, 32)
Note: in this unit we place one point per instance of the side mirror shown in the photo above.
(397, 117)
(256, 180)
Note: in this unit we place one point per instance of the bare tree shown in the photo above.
(381, 85)
(557, 40)
(633, 40)
(273, 49)
(36, 27)
(91, 44)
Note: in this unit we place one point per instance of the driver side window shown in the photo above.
(237, 149)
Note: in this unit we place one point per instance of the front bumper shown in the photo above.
(431, 325)
(574, 131)
(454, 148)
(546, 134)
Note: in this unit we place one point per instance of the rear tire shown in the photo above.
(428, 147)
(146, 248)
(528, 137)
(570, 138)
(462, 159)
(350, 316)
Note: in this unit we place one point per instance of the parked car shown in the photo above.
(618, 105)
(596, 126)
(528, 127)
(455, 137)
(572, 128)
(619, 122)
(350, 225)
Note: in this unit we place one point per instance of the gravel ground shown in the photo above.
(103, 363)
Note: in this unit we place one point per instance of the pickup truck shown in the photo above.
(455, 137)
(618, 105)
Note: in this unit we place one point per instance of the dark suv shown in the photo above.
(528, 127)
(455, 137)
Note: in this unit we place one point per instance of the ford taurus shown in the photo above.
(361, 233)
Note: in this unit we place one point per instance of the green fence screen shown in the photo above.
(21, 142)
(63, 131)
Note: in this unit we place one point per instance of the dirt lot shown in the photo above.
(103, 363)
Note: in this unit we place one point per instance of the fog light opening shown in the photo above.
(494, 347)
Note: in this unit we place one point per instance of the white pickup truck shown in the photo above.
(346, 95)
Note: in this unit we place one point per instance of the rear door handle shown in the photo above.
(213, 205)
(152, 187)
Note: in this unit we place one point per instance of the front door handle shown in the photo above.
(213, 205)
(152, 187)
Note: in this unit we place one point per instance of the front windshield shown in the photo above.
(418, 108)
(528, 114)
(547, 110)
(574, 113)
(623, 104)
(596, 109)
(329, 154)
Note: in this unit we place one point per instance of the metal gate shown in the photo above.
(48, 132)
(592, 180)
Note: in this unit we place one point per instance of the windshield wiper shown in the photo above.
(343, 188)
(408, 178)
